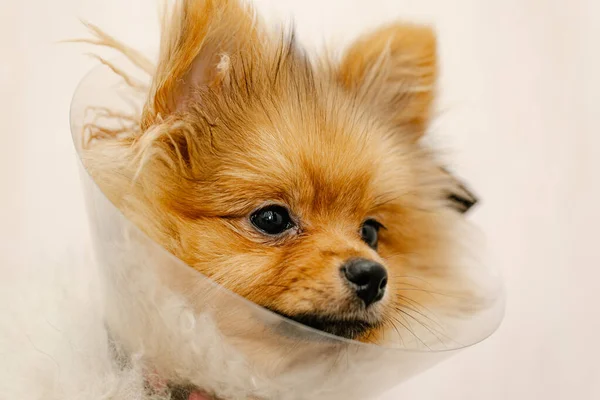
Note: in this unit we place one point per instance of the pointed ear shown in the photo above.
(458, 195)
(395, 69)
(198, 39)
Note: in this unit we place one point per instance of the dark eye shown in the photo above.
(272, 220)
(370, 232)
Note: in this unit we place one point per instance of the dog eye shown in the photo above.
(369, 232)
(272, 220)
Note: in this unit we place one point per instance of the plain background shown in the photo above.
(519, 96)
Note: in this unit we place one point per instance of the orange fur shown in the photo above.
(238, 116)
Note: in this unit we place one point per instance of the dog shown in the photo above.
(302, 184)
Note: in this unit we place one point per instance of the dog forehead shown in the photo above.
(324, 153)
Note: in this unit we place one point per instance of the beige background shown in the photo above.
(520, 88)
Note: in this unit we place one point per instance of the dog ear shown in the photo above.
(458, 195)
(198, 39)
(394, 69)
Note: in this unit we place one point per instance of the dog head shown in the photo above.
(301, 184)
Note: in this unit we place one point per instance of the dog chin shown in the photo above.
(348, 328)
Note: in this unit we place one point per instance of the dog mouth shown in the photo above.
(347, 328)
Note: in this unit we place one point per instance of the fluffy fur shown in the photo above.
(238, 116)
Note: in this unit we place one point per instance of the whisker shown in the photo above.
(397, 331)
(433, 331)
(408, 328)
(413, 332)
(423, 314)
(433, 292)
(416, 303)
(439, 334)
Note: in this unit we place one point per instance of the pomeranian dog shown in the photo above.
(302, 184)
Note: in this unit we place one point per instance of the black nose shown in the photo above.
(367, 278)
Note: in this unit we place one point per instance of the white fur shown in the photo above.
(52, 338)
